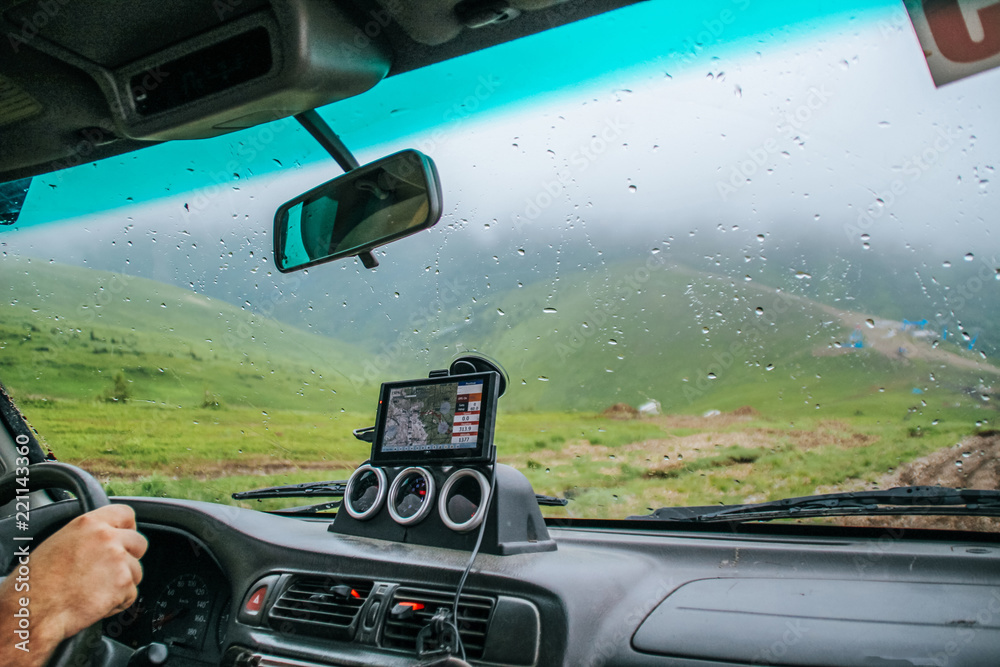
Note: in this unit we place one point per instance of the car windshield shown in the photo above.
(726, 251)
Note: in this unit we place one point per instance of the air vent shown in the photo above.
(320, 606)
(473, 619)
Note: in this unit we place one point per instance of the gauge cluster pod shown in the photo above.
(445, 506)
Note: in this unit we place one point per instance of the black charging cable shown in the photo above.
(472, 558)
(443, 628)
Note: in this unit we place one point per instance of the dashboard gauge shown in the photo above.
(464, 499)
(365, 492)
(223, 624)
(181, 612)
(411, 496)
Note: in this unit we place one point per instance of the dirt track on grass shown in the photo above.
(974, 463)
(661, 456)
(106, 470)
(887, 337)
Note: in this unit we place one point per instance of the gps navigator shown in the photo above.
(436, 420)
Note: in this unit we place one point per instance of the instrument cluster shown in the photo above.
(184, 600)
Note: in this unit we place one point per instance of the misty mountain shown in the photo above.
(632, 332)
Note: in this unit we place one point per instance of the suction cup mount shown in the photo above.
(475, 363)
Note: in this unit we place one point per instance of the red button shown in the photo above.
(256, 600)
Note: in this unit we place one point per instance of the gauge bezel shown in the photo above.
(428, 503)
(383, 487)
(479, 515)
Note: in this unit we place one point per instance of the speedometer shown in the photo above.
(181, 612)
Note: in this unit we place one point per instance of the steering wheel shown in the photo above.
(76, 649)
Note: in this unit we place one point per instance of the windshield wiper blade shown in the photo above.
(930, 500)
(333, 489)
(310, 509)
(551, 501)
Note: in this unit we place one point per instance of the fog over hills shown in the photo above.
(632, 331)
(797, 164)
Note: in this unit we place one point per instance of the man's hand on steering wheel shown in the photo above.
(86, 571)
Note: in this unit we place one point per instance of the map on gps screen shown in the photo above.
(433, 416)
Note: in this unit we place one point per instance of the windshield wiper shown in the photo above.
(551, 501)
(309, 509)
(929, 500)
(335, 489)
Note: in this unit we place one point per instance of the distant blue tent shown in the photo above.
(857, 339)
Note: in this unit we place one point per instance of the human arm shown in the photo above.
(86, 571)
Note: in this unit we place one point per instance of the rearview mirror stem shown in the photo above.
(328, 139)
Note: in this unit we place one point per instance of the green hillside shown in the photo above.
(695, 342)
(222, 399)
(65, 332)
(633, 332)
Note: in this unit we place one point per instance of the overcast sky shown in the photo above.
(832, 132)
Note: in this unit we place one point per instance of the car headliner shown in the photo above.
(107, 33)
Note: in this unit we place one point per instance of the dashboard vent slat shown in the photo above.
(474, 613)
(320, 606)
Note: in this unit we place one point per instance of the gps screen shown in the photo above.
(441, 418)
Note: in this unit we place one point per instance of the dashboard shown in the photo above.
(184, 601)
(231, 586)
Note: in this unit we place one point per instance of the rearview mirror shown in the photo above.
(358, 211)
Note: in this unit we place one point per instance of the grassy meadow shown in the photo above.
(160, 391)
(608, 467)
